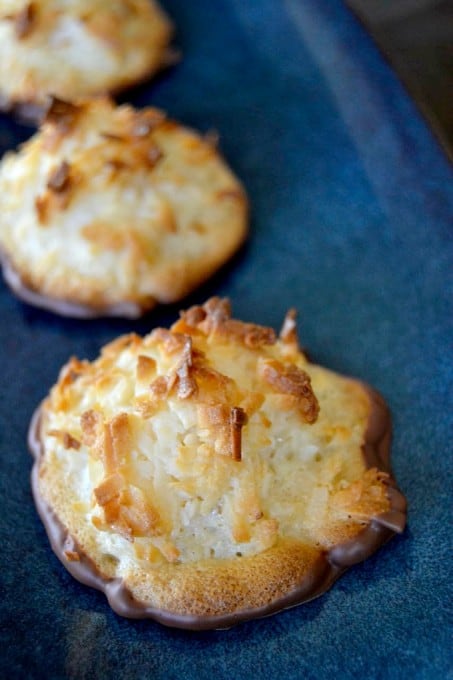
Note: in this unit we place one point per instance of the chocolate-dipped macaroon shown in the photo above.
(209, 474)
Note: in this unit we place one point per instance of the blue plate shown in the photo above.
(352, 224)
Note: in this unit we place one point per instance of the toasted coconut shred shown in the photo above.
(205, 444)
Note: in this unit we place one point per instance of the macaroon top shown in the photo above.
(108, 210)
(210, 466)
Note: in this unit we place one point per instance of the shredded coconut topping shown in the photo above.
(199, 443)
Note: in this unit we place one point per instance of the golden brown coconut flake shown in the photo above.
(58, 195)
(238, 419)
(146, 369)
(59, 179)
(187, 385)
(364, 497)
(24, 21)
(68, 441)
(288, 333)
(214, 318)
(144, 122)
(294, 381)
(61, 114)
(91, 426)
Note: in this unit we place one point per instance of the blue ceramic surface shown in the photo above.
(352, 224)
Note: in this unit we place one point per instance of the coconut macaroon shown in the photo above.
(108, 210)
(77, 48)
(208, 474)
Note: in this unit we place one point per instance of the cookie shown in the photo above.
(209, 474)
(77, 49)
(108, 210)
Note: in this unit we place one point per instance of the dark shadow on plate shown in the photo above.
(13, 132)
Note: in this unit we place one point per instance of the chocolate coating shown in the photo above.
(323, 573)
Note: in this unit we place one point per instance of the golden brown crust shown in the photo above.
(211, 504)
(102, 211)
(83, 49)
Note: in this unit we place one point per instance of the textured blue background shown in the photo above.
(352, 224)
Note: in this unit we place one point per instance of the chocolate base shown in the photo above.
(319, 578)
(128, 310)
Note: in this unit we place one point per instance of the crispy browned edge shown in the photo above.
(321, 575)
(128, 310)
(76, 310)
